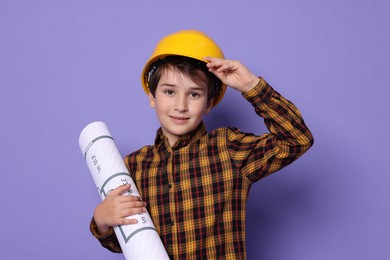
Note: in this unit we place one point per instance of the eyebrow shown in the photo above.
(168, 85)
(191, 88)
(198, 89)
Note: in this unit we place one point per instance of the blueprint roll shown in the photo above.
(108, 170)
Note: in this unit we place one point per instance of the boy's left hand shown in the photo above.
(232, 73)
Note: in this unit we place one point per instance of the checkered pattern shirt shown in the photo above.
(196, 191)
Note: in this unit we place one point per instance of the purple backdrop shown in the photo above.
(64, 64)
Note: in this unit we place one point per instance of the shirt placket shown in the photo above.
(172, 201)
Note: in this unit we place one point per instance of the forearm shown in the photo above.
(283, 120)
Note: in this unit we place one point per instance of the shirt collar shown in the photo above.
(184, 140)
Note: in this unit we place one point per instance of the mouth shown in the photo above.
(179, 119)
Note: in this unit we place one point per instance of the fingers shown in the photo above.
(120, 201)
(126, 212)
(119, 190)
(221, 65)
(232, 73)
(213, 62)
(121, 205)
(131, 202)
(120, 208)
(127, 221)
(210, 59)
(131, 206)
(207, 58)
(117, 209)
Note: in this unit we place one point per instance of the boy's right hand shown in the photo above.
(115, 209)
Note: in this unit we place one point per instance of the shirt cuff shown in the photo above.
(259, 94)
(95, 232)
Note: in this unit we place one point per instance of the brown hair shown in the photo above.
(196, 70)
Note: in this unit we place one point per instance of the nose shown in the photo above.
(181, 103)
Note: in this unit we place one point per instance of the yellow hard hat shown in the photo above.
(188, 43)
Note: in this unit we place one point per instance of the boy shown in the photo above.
(193, 183)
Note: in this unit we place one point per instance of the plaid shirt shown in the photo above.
(196, 190)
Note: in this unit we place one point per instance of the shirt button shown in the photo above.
(169, 186)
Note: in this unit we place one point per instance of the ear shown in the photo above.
(152, 100)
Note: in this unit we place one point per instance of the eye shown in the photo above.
(194, 94)
(169, 92)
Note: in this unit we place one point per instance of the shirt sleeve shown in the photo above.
(108, 240)
(287, 140)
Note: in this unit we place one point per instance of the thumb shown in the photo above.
(120, 190)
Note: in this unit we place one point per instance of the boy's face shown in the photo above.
(180, 104)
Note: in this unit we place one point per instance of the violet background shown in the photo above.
(66, 63)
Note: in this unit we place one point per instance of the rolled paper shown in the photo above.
(108, 170)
